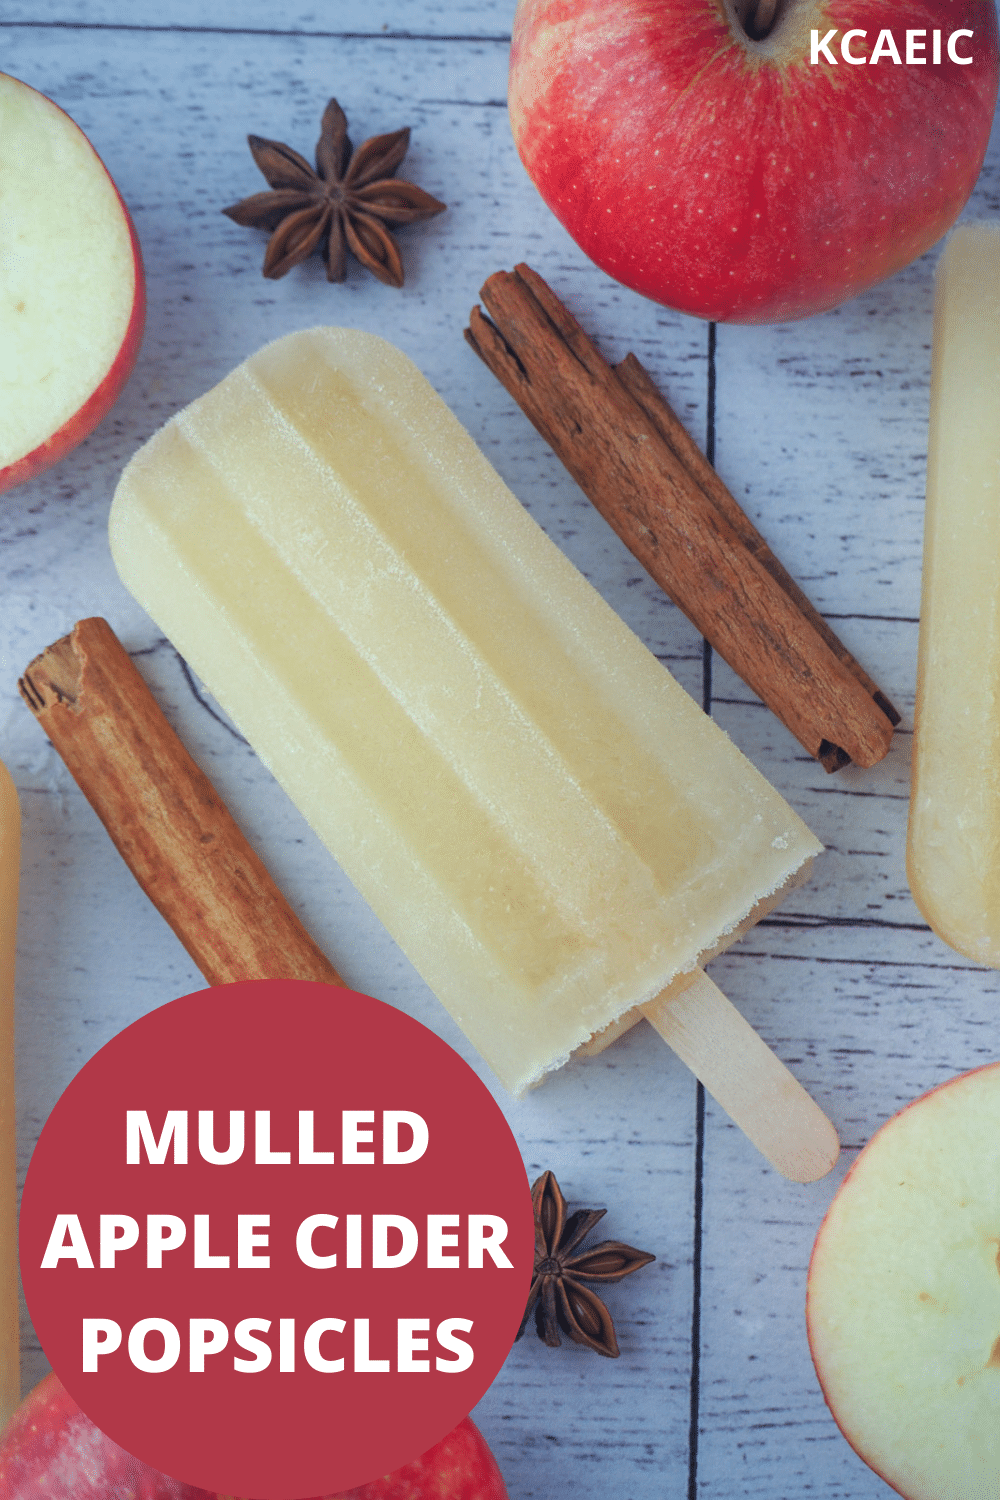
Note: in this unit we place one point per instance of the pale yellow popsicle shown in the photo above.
(954, 835)
(10, 827)
(545, 821)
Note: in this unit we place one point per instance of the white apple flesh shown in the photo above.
(72, 298)
(726, 175)
(903, 1303)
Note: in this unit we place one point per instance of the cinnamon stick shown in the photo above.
(164, 816)
(633, 458)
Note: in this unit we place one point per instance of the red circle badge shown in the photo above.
(276, 1239)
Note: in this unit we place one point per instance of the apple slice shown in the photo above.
(903, 1302)
(72, 295)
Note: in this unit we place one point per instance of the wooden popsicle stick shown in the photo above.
(745, 1077)
(166, 819)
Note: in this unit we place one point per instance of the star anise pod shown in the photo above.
(346, 204)
(557, 1295)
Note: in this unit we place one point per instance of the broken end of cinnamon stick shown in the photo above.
(55, 675)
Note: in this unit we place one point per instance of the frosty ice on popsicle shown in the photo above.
(547, 824)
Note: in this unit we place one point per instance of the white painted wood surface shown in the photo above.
(819, 430)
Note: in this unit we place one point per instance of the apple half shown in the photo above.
(72, 294)
(903, 1301)
(695, 152)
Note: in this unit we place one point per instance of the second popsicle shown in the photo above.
(953, 855)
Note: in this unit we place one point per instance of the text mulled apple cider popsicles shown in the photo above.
(547, 824)
(953, 857)
(10, 835)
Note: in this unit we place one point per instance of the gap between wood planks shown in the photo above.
(335, 36)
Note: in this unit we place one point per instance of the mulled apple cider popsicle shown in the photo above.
(953, 856)
(547, 824)
(10, 832)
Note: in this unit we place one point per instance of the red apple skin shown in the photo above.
(723, 183)
(100, 401)
(49, 1448)
(459, 1467)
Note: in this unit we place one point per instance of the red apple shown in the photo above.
(459, 1467)
(725, 174)
(903, 1301)
(72, 303)
(49, 1448)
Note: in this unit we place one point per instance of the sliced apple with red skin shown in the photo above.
(50, 1449)
(723, 173)
(72, 293)
(903, 1302)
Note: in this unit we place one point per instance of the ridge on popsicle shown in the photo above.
(548, 825)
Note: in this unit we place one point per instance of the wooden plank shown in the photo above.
(457, 18)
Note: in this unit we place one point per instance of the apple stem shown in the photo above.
(757, 17)
(764, 19)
